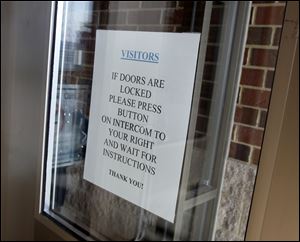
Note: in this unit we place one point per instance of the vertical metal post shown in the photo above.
(192, 125)
(220, 82)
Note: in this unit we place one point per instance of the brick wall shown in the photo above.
(162, 16)
(256, 80)
(175, 16)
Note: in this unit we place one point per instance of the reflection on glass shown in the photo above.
(93, 211)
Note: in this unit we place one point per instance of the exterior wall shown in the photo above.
(235, 201)
(250, 119)
(174, 16)
(256, 80)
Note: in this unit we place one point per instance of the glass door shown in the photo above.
(141, 158)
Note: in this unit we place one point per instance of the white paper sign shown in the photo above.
(139, 115)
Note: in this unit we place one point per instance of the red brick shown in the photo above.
(218, 4)
(239, 151)
(112, 18)
(87, 44)
(157, 28)
(217, 15)
(69, 57)
(117, 27)
(172, 16)
(158, 4)
(209, 72)
(202, 123)
(269, 79)
(263, 57)
(269, 15)
(70, 45)
(100, 5)
(214, 34)
(199, 16)
(84, 81)
(258, 2)
(144, 17)
(123, 4)
(87, 73)
(245, 115)
(186, 4)
(72, 57)
(248, 135)
(259, 35)
(263, 119)
(88, 58)
(206, 89)
(255, 156)
(91, 33)
(204, 107)
(246, 52)
(67, 79)
(255, 98)
(212, 53)
(277, 37)
(252, 77)
(183, 17)
(83, 72)
(95, 19)
(181, 29)
(198, 136)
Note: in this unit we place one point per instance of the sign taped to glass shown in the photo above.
(139, 116)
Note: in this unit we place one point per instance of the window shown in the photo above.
(92, 212)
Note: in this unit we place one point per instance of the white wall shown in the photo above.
(24, 42)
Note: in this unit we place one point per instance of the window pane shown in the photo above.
(92, 212)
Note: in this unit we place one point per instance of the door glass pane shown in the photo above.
(92, 212)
